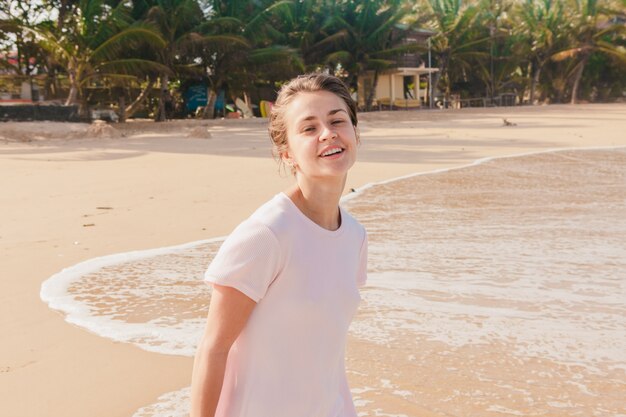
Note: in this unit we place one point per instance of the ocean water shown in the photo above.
(494, 289)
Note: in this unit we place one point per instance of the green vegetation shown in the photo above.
(107, 53)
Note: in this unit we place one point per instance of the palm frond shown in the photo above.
(402, 49)
(338, 56)
(107, 76)
(380, 63)
(129, 38)
(261, 18)
(615, 52)
(215, 42)
(132, 66)
(275, 54)
(221, 25)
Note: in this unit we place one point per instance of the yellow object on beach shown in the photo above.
(262, 108)
(265, 107)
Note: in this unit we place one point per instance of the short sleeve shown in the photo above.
(361, 278)
(248, 260)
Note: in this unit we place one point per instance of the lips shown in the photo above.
(331, 150)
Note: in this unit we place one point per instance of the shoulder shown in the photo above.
(275, 215)
(352, 224)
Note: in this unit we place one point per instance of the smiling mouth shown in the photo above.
(332, 152)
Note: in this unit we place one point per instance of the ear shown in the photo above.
(287, 159)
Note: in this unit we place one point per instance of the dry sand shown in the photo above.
(70, 194)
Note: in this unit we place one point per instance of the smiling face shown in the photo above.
(321, 138)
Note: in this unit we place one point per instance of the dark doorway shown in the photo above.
(408, 82)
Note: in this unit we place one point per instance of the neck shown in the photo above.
(318, 200)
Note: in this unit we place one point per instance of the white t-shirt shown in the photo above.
(288, 361)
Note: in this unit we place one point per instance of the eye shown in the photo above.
(308, 129)
(338, 121)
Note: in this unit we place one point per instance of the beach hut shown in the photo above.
(405, 86)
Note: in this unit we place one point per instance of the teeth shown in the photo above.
(331, 151)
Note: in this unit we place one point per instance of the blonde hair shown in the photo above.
(307, 83)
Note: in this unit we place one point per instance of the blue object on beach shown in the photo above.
(195, 96)
(219, 101)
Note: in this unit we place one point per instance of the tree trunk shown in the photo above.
(122, 106)
(209, 109)
(32, 88)
(51, 86)
(161, 115)
(525, 87)
(577, 78)
(372, 92)
(443, 68)
(534, 82)
(134, 106)
(83, 104)
(73, 94)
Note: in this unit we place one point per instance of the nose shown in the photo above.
(327, 133)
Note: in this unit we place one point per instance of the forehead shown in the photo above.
(313, 104)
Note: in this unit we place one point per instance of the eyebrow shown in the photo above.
(330, 113)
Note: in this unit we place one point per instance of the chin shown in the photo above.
(339, 174)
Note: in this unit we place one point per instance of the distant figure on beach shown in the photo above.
(286, 281)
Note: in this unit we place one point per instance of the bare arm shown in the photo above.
(228, 313)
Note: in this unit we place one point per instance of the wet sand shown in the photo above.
(497, 289)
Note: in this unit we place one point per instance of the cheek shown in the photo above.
(350, 133)
(299, 145)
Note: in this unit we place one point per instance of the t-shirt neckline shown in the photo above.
(311, 223)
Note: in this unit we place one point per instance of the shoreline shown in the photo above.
(175, 400)
(54, 289)
(478, 161)
(48, 191)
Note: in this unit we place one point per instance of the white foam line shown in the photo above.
(54, 289)
(479, 161)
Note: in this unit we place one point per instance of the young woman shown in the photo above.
(285, 282)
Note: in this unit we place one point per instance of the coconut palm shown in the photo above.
(540, 25)
(455, 42)
(255, 47)
(176, 21)
(591, 33)
(302, 25)
(368, 36)
(92, 44)
(493, 62)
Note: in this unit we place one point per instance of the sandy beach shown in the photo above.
(69, 195)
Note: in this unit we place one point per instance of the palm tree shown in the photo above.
(454, 43)
(303, 26)
(92, 44)
(540, 24)
(493, 62)
(176, 21)
(253, 45)
(368, 37)
(591, 34)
